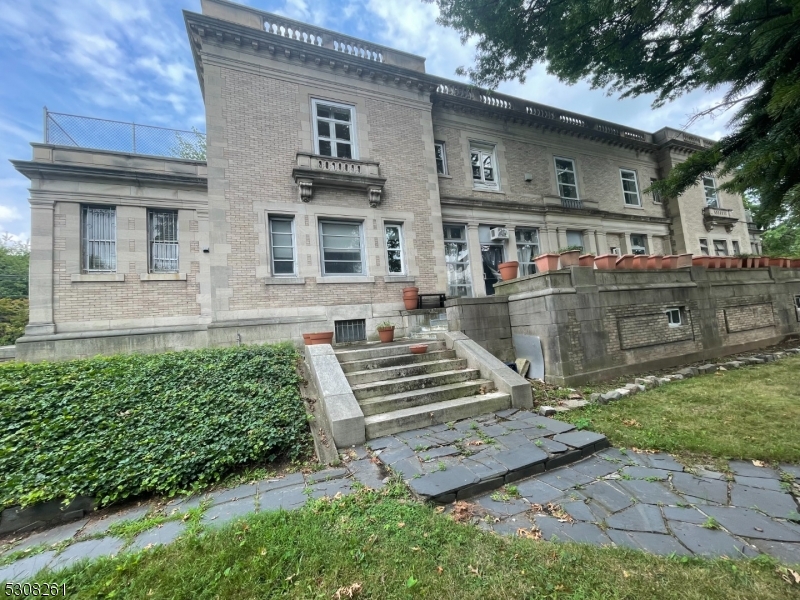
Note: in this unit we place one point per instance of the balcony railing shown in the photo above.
(101, 134)
(571, 203)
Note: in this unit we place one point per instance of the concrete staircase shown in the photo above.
(399, 391)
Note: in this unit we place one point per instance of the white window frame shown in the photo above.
(643, 246)
(735, 247)
(724, 244)
(484, 150)
(655, 194)
(630, 175)
(270, 220)
(362, 248)
(709, 183)
(401, 239)
(528, 267)
(674, 317)
(151, 243)
(579, 232)
(468, 285)
(353, 134)
(444, 158)
(704, 247)
(104, 239)
(574, 172)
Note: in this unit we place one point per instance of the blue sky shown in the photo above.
(130, 60)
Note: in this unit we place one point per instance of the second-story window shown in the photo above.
(565, 176)
(99, 239)
(720, 247)
(630, 187)
(281, 242)
(394, 249)
(441, 158)
(704, 246)
(334, 133)
(710, 187)
(484, 171)
(656, 195)
(163, 234)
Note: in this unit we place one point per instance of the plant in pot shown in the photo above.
(606, 262)
(546, 262)
(745, 260)
(386, 332)
(586, 260)
(411, 297)
(313, 339)
(569, 256)
(509, 270)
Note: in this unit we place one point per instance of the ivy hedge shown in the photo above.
(113, 427)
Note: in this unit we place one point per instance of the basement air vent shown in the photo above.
(354, 330)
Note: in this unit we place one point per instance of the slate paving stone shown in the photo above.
(514, 440)
(704, 473)
(505, 414)
(424, 443)
(435, 453)
(158, 536)
(749, 523)
(90, 549)
(785, 552)
(660, 461)
(536, 492)
(654, 543)
(511, 525)
(537, 433)
(367, 473)
(384, 443)
(408, 467)
(283, 498)
(775, 504)
(51, 536)
(748, 469)
(579, 511)
(240, 491)
(550, 446)
(685, 515)
(26, 567)
(649, 492)
(132, 514)
(564, 478)
(595, 467)
(700, 501)
(514, 506)
(793, 470)
(466, 426)
(619, 458)
(267, 485)
(707, 489)
(358, 452)
(494, 430)
(448, 436)
(521, 456)
(437, 428)
(443, 482)
(639, 517)
(393, 455)
(326, 475)
(485, 467)
(760, 482)
(331, 488)
(549, 424)
(586, 533)
(608, 494)
(579, 439)
(710, 542)
(408, 435)
(219, 514)
(645, 473)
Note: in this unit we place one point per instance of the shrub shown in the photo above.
(13, 318)
(113, 427)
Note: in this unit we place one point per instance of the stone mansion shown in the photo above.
(337, 172)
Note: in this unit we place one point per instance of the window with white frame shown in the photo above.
(456, 256)
(720, 247)
(441, 158)
(710, 187)
(704, 246)
(342, 248)
(484, 166)
(638, 243)
(614, 250)
(527, 250)
(630, 187)
(99, 239)
(674, 317)
(566, 178)
(334, 129)
(281, 244)
(656, 195)
(736, 250)
(163, 240)
(395, 260)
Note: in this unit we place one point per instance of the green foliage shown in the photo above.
(666, 48)
(13, 318)
(14, 259)
(570, 249)
(192, 147)
(113, 427)
(783, 239)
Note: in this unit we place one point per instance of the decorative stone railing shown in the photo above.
(719, 216)
(571, 203)
(313, 170)
(668, 133)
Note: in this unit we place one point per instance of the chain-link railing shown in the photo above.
(101, 134)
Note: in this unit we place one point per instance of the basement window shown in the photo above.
(354, 330)
(674, 317)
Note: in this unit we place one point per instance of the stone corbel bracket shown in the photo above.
(313, 171)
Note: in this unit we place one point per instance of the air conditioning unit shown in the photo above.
(499, 233)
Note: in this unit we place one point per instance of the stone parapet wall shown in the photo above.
(485, 321)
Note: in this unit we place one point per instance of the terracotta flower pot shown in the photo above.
(654, 261)
(569, 258)
(775, 262)
(410, 297)
(670, 262)
(307, 339)
(586, 260)
(509, 270)
(795, 263)
(605, 262)
(700, 261)
(763, 262)
(747, 262)
(715, 262)
(736, 263)
(411, 303)
(639, 262)
(318, 338)
(684, 261)
(625, 261)
(787, 262)
(727, 262)
(418, 348)
(386, 334)
(546, 262)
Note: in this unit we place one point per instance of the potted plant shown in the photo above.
(569, 256)
(715, 262)
(386, 332)
(763, 262)
(313, 339)
(745, 260)
(605, 262)
(509, 270)
(625, 261)
(654, 261)
(795, 264)
(411, 297)
(775, 262)
(546, 262)
(586, 260)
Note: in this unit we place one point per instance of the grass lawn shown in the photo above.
(749, 413)
(394, 547)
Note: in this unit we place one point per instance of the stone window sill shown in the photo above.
(285, 281)
(96, 277)
(488, 191)
(345, 279)
(162, 277)
(444, 176)
(399, 279)
(634, 207)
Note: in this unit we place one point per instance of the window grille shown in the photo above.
(99, 239)
(354, 330)
(163, 232)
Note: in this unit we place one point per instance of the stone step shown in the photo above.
(378, 350)
(401, 385)
(392, 402)
(405, 370)
(416, 417)
(396, 360)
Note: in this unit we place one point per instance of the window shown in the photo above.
(527, 250)
(704, 246)
(484, 172)
(575, 239)
(99, 239)
(674, 317)
(333, 129)
(736, 251)
(394, 249)
(720, 247)
(354, 330)
(163, 240)
(281, 243)
(638, 244)
(613, 250)
(342, 248)
(710, 187)
(630, 188)
(566, 179)
(441, 158)
(456, 256)
(797, 302)
(656, 195)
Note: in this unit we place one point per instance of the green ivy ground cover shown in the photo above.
(118, 426)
